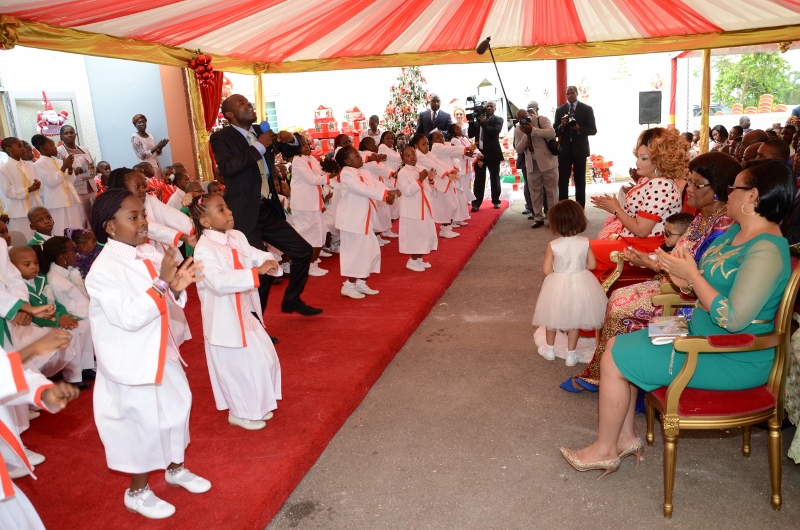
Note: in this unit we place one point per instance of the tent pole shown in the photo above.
(561, 81)
(673, 90)
(705, 101)
(258, 89)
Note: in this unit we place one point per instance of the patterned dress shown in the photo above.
(630, 309)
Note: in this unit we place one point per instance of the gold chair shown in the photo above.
(687, 408)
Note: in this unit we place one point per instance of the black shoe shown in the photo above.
(496, 206)
(526, 211)
(83, 385)
(274, 340)
(537, 224)
(298, 306)
(89, 374)
(531, 217)
(474, 209)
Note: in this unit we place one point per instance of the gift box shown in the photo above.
(323, 112)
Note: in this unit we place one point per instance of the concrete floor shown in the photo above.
(463, 430)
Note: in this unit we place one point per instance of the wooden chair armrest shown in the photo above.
(669, 287)
(669, 301)
(618, 258)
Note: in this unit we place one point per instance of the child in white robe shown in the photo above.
(380, 173)
(359, 252)
(393, 162)
(307, 204)
(21, 387)
(466, 173)
(417, 229)
(455, 155)
(242, 362)
(142, 398)
(445, 175)
(58, 191)
(68, 289)
(19, 186)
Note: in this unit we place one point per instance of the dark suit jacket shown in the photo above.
(573, 143)
(238, 162)
(491, 137)
(790, 227)
(425, 125)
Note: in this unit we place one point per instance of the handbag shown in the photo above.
(552, 144)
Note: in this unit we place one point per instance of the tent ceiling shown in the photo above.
(304, 35)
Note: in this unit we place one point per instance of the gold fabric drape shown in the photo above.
(258, 88)
(705, 101)
(205, 166)
(40, 35)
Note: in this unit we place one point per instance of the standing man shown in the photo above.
(486, 131)
(575, 124)
(435, 118)
(744, 123)
(246, 157)
(518, 134)
(373, 131)
(542, 165)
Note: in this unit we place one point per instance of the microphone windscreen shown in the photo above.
(264, 125)
(483, 46)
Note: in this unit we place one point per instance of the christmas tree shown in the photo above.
(408, 98)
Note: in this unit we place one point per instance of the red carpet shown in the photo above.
(329, 363)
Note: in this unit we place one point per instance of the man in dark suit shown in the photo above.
(433, 118)
(573, 144)
(486, 131)
(246, 156)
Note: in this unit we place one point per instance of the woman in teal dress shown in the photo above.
(739, 284)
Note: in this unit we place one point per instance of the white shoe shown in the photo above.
(413, 265)
(317, 261)
(314, 270)
(363, 288)
(349, 289)
(34, 458)
(548, 352)
(460, 223)
(382, 241)
(286, 267)
(250, 425)
(147, 504)
(389, 233)
(267, 416)
(324, 253)
(335, 247)
(572, 358)
(17, 472)
(424, 263)
(187, 480)
(447, 233)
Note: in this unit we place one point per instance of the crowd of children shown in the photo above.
(101, 299)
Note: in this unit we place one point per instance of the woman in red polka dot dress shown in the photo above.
(661, 159)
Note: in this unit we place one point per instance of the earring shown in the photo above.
(657, 172)
(749, 214)
(716, 197)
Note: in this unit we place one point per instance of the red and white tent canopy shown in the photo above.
(294, 35)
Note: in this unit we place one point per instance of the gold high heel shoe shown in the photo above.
(608, 465)
(635, 448)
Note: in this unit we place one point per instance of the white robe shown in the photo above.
(71, 293)
(442, 209)
(417, 229)
(59, 195)
(393, 161)
(359, 251)
(242, 362)
(16, 176)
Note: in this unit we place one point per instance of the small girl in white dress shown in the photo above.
(571, 298)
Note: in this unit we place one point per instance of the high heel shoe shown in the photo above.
(609, 466)
(635, 448)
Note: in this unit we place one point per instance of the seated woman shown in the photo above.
(629, 308)
(739, 284)
(720, 136)
(661, 158)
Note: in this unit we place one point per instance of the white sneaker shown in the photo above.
(250, 425)
(286, 267)
(460, 223)
(424, 263)
(362, 287)
(447, 232)
(335, 247)
(389, 233)
(548, 352)
(147, 504)
(17, 472)
(382, 241)
(413, 265)
(34, 458)
(572, 358)
(187, 480)
(267, 416)
(349, 289)
(325, 253)
(314, 270)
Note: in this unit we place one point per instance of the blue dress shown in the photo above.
(750, 278)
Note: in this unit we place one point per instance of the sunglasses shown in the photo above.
(732, 188)
(696, 185)
(667, 233)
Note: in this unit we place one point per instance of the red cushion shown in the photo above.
(734, 340)
(696, 402)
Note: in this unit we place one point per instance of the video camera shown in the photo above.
(475, 108)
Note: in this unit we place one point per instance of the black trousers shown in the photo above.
(572, 164)
(480, 182)
(273, 229)
(522, 168)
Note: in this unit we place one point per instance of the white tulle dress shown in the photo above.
(571, 297)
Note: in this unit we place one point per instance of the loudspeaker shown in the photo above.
(650, 107)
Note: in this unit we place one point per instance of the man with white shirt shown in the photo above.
(373, 131)
(246, 156)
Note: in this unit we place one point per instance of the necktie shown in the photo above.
(433, 117)
(262, 167)
(480, 138)
(572, 108)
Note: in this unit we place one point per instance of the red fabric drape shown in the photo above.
(212, 98)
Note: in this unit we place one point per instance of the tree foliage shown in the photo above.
(744, 78)
(408, 97)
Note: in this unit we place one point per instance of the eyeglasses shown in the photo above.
(732, 188)
(696, 185)
(667, 233)
(533, 109)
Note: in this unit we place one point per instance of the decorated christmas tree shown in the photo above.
(408, 98)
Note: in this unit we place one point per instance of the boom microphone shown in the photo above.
(483, 46)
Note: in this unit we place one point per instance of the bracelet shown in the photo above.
(160, 286)
(699, 273)
(615, 214)
(687, 290)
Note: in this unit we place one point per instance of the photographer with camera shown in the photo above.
(485, 127)
(531, 136)
(574, 125)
